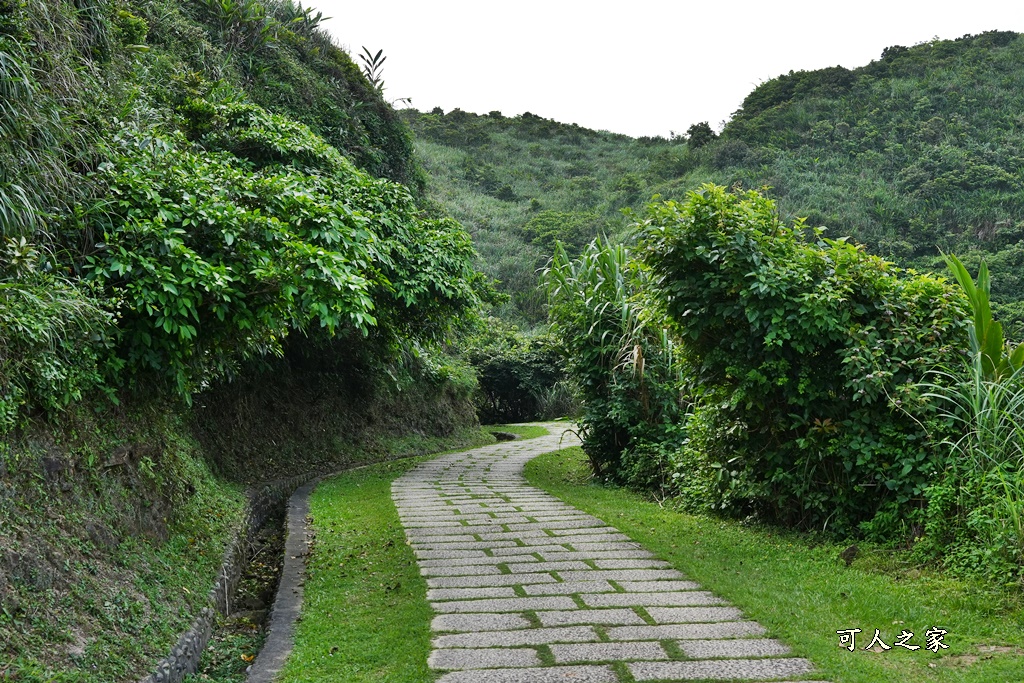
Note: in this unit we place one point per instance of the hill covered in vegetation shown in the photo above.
(520, 183)
(214, 271)
(911, 154)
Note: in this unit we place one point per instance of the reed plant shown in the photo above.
(976, 509)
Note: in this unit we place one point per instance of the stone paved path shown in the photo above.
(528, 589)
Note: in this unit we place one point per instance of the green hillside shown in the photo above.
(918, 151)
(215, 270)
(520, 183)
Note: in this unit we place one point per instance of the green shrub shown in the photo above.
(700, 134)
(571, 229)
(251, 132)
(809, 349)
(218, 257)
(517, 375)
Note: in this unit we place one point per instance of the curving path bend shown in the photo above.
(528, 589)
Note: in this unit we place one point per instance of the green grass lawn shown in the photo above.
(365, 614)
(523, 431)
(803, 593)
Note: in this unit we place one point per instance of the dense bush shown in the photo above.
(573, 230)
(135, 155)
(520, 378)
(219, 257)
(809, 349)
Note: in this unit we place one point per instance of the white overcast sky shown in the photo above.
(640, 67)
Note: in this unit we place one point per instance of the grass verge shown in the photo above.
(523, 431)
(365, 614)
(803, 593)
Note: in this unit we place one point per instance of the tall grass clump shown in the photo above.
(976, 509)
(621, 358)
(54, 339)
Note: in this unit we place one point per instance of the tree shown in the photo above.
(700, 134)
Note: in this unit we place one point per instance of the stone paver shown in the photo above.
(486, 559)
(622, 575)
(724, 629)
(720, 669)
(750, 647)
(493, 580)
(568, 588)
(479, 622)
(557, 555)
(658, 586)
(644, 599)
(506, 604)
(630, 564)
(603, 652)
(555, 674)
(470, 593)
(456, 570)
(482, 658)
(530, 636)
(518, 578)
(616, 617)
(689, 615)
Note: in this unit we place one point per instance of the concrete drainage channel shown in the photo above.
(184, 657)
(288, 603)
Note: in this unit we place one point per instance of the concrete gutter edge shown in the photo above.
(288, 602)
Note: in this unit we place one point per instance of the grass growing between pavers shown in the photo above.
(365, 615)
(803, 593)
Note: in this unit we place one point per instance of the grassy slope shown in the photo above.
(113, 530)
(495, 174)
(803, 593)
(295, 70)
(911, 153)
